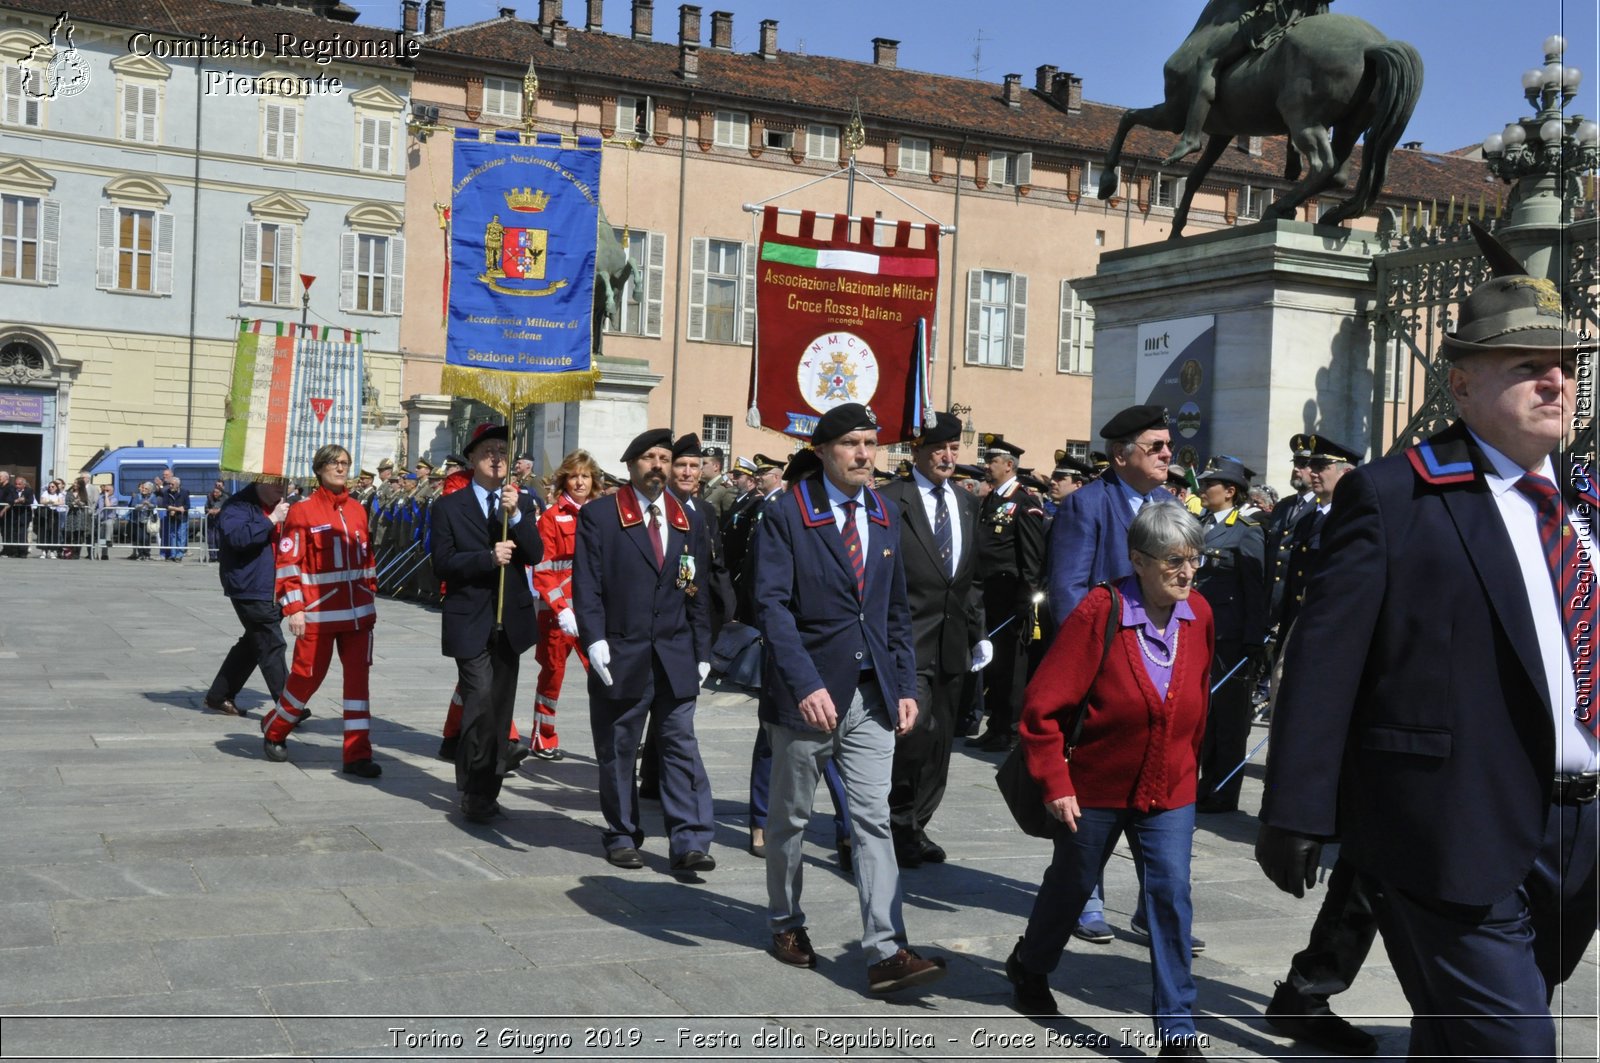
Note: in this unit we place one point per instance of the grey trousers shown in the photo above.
(862, 748)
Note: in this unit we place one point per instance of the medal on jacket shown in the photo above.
(686, 582)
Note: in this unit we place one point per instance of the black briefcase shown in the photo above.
(736, 655)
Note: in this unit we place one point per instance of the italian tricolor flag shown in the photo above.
(850, 261)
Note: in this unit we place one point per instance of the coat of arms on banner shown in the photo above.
(517, 252)
(837, 367)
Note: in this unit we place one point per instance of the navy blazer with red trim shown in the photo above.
(1413, 719)
(819, 631)
(619, 595)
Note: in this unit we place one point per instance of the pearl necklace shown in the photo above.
(1144, 647)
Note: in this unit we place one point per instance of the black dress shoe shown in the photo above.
(847, 862)
(932, 853)
(1182, 1046)
(1030, 991)
(447, 748)
(364, 768)
(477, 808)
(1214, 804)
(692, 861)
(907, 853)
(1307, 1019)
(275, 751)
(516, 753)
(997, 742)
(223, 705)
(625, 856)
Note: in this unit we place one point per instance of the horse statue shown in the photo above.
(1325, 80)
(612, 269)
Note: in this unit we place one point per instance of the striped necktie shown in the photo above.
(1574, 586)
(852, 547)
(943, 539)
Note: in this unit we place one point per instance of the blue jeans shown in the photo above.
(174, 536)
(1160, 842)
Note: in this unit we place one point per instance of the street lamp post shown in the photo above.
(1542, 158)
(968, 431)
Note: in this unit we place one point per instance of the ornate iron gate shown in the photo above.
(1421, 280)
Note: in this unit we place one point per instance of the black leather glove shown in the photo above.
(1260, 658)
(1290, 860)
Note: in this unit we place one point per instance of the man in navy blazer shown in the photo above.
(639, 591)
(1446, 732)
(840, 684)
(940, 550)
(482, 537)
(1088, 544)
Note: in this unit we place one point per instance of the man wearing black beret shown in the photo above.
(638, 591)
(840, 684)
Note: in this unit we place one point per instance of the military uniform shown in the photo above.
(1010, 544)
(1285, 516)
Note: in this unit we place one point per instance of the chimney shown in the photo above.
(1412, 145)
(689, 61)
(722, 30)
(689, 24)
(1067, 91)
(558, 33)
(410, 15)
(508, 12)
(885, 52)
(1044, 79)
(769, 38)
(592, 23)
(1011, 91)
(549, 14)
(644, 12)
(433, 16)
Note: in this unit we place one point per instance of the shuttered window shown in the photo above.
(17, 108)
(141, 106)
(135, 250)
(371, 273)
(280, 132)
(997, 318)
(639, 304)
(377, 144)
(502, 98)
(1075, 353)
(30, 234)
(266, 267)
(722, 291)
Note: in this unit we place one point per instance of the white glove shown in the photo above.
(705, 670)
(567, 622)
(982, 654)
(600, 660)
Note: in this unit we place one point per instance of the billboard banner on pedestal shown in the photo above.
(1177, 361)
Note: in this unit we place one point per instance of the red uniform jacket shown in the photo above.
(558, 531)
(325, 565)
(1136, 750)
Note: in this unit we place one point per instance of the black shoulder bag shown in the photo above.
(1023, 795)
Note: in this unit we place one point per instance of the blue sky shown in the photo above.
(1474, 51)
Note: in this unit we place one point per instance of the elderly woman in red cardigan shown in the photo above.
(1134, 766)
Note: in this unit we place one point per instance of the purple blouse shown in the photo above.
(1156, 647)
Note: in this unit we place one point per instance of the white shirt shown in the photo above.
(838, 498)
(926, 489)
(644, 505)
(483, 494)
(1577, 749)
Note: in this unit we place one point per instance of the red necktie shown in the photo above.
(655, 535)
(852, 547)
(1575, 589)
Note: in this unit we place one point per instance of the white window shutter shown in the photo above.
(49, 241)
(747, 333)
(347, 271)
(396, 286)
(1025, 168)
(369, 144)
(697, 287)
(385, 143)
(165, 233)
(270, 131)
(1064, 340)
(1019, 319)
(13, 95)
(130, 112)
(974, 312)
(997, 168)
(655, 278)
(149, 98)
(106, 252)
(291, 133)
(283, 274)
(250, 263)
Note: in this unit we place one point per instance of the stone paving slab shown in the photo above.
(154, 865)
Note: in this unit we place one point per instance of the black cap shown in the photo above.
(1249, 473)
(1300, 443)
(1033, 483)
(842, 420)
(1133, 420)
(1178, 475)
(647, 440)
(482, 434)
(712, 452)
(945, 428)
(969, 472)
(1099, 461)
(993, 445)
(766, 464)
(525, 457)
(1327, 450)
(1067, 465)
(1228, 471)
(687, 446)
(804, 462)
(454, 459)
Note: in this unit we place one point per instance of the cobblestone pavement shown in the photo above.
(166, 892)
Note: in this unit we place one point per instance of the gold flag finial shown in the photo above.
(855, 131)
(530, 98)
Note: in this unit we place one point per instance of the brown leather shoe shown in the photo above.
(794, 948)
(224, 706)
(904, 970)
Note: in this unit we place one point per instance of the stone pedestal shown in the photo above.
(603, 425)
(1293, 349)
(427, 428)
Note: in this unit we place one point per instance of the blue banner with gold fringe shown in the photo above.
(523, 223)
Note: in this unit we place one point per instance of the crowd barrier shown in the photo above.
(84, 533)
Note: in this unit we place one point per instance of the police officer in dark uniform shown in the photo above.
(1231, 581)
(1328, 461)
(1285, 515)
(740, 525)
(1011, 570)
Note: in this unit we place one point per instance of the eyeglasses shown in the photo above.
(336, 464)
(1154, 446)
(1174, 562)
